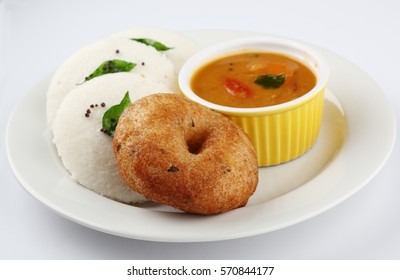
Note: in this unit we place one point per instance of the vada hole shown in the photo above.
(195, 144)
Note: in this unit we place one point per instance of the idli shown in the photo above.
(182, 47)
(150, 63)
(85, 151)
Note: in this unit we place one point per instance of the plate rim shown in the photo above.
(390, 141)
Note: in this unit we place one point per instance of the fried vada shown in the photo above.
(177, 152)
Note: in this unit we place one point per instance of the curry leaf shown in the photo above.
(111, 116)
(111, 66)
(150, 42)
(270, 80)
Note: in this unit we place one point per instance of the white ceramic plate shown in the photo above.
(356, 139)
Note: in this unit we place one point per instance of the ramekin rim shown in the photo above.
(225, 48)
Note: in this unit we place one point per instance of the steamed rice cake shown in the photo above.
(149, 62)
(85, 151)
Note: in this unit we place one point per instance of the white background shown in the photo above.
(37, 35)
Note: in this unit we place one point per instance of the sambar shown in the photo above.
(252, 79)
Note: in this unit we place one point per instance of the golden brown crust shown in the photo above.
(177, 152)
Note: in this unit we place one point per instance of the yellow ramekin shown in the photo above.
(280, 132)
